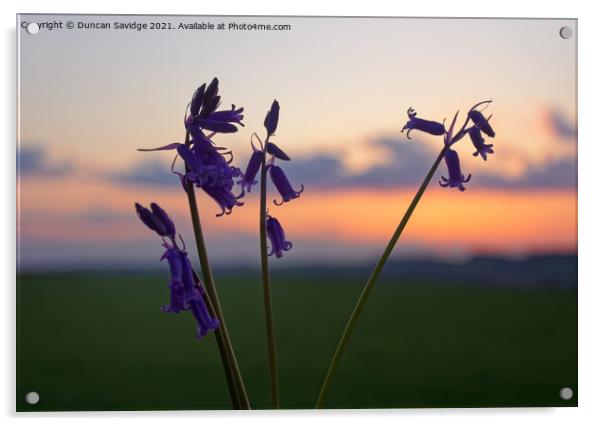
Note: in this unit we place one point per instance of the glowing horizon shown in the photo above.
(343, 99)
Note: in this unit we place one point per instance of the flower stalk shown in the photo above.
(456, 180)
(236, 386)
(265, 275)
(336, 359)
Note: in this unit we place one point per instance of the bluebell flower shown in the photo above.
(204, 114)
(478, 141)
(219, 121)
(224, 197)
(156, 219)
(481, 122)
(274, 151)
(283, 185)
(456, 178)
(176, 286)
(248, 179)
(271, 119)
(186, 289)
(415, 123)
(277, 238)
(208, 169)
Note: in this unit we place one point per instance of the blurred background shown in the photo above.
(477, 306)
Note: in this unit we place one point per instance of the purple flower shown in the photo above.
(197, 100)
(456, 178)
(283, 185)
(185, 288)
(253, 167)
(271, 119)
(479, 143)
(277, 238)
(156, 219)
(481, 122)
(186, 291)
(203, 114)
(274, 151)
(209, 170)
(219, 121)
(224, 198)
(431, 127)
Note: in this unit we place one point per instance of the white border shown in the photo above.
(590, 72)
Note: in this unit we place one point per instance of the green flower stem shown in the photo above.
(265, 273)
(236, 386)
(336, 359)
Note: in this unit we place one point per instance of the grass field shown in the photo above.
(100, 342)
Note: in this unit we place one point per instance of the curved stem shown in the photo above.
(236, 386)
(265, 273)
(336, 359)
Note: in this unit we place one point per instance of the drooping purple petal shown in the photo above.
(278, 241)
(456, 179)
(224, 197)
(274, 150)
(478, 142)
(193, 300)
(253, 167)
(415, 123)
(481, 122)
(283, 185)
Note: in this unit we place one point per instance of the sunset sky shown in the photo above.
(88, 99)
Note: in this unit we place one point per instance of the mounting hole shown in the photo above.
(32, 28)
(32, 398)
(566, 32)
(566, 393)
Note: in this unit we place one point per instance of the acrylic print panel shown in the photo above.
(291, 212)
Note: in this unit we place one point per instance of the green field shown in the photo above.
(100, 342)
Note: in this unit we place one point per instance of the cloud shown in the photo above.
(407, 165)
(148, 172)
(555, 174)
(34, 160)
(560, 125)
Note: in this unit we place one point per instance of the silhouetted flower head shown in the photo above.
(481, 122)
(415, 123)
(451, 135)
(275, 233)
(207, 165)
(271, 119)
(456, 178)
(478, 141)
(156, 219)
(283, 185)
(185, 288)
(204, 114)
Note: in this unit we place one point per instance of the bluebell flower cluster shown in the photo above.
(185, 287)
(287, 193)
(279, 179)
(480, 125)
(208, 166)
